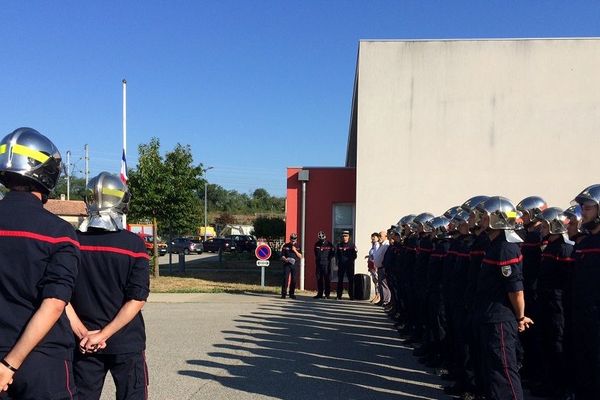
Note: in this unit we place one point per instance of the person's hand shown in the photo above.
(93, 342)
(525, 323)
(6, 378)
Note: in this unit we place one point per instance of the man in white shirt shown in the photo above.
(384, 291)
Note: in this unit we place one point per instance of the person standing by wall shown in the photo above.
(382, 287)
(345, 255)
(290, 255)
(324, 253)
(375, 243)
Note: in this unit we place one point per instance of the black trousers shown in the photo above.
(586, 339)
(323, 271)
(498, 345)
(129, 372)
(348, 270)
(42, 378)
(289, 279)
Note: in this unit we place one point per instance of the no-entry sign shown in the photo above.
(263, 251)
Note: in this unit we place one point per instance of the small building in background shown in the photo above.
(72, 211)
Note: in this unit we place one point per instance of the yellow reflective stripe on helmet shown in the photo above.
(113, 192)
(511, 214)
(26, 151)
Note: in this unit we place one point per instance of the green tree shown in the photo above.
(77, 188)
(269, 228)
(166, 191)
(148, 183)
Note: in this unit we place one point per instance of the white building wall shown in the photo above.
(440, 121)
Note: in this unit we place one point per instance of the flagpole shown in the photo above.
(124, 134)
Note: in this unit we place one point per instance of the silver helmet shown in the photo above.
(473, 202)
(29, 160)
(533, 206)
(451, 212)
(589, 196)
(420, 221)
(556, 219)
(573, 213)
(502, 212)
(462, 217)
(107, 199)
(440, 227)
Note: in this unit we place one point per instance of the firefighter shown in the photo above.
(39, 256)
(345, 254)
(290, 255)
(436, 319)
(553, 280)
(499, 308)
(111, 289)
(410, 243)
(324, 253)
(531, 248)
(586, 298)
(420, 279)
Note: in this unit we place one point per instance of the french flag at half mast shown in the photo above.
(123, 168)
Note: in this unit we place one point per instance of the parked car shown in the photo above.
(243, 242)
(225, 244)
(186, 246)
(149, 243)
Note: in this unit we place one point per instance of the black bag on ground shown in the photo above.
(362, 287)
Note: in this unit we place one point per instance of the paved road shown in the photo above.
(225, 346)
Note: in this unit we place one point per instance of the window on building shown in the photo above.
(343, 220)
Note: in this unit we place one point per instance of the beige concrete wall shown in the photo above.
(459, 118)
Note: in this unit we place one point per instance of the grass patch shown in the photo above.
(233, 276)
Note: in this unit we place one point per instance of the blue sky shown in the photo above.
(252, 86)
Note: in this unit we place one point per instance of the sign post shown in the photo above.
(263, 253)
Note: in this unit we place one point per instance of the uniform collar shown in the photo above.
(23, 198)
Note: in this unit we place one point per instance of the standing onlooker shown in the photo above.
(290, 255)
(345, 255)
(371, 265)
(384, 291)
(111, 289)
(324, 253)
(39, 254)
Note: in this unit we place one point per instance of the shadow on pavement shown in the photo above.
(307, 349)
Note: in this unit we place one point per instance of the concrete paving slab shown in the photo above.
(257, 346)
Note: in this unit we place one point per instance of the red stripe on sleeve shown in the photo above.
(37, 236)
(503, 262)
(109, 249)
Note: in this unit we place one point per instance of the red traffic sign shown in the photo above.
(263, 251)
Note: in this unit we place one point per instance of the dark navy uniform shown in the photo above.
(531, 248)
(408, 275)
(393, 272)
(501, 274)
(480, 245)
(114, 270)
(460, 322)
(289, 269)
(345, 254)
(39, 256)
(420, 280)
(553, 280)
(324, 253)
(586, 317)
(436, 323)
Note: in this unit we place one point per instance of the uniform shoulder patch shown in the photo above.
(506, 270)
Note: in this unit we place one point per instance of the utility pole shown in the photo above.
(68, 174)
(87, 165)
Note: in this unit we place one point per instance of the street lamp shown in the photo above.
(205, 200)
